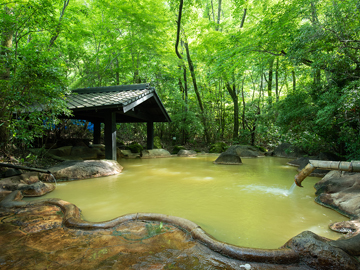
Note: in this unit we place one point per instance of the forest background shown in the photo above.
(243, 72)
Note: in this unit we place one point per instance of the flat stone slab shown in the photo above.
(84, 169)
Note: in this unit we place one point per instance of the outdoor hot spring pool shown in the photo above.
(247, 205)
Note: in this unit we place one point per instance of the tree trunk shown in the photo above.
(234, 96)
(192, 72)
(5, 115)
(219, 16)
(117, 74)
(185, 133)
(317, 77)
(294, 80)
(212, 8)
(271, 67)
(178, 29)
(244, 105)
(6, 44)
(184, 91)
(243, 18)
(136, 71)
(277, 93)
(58, 27)
(253, 129)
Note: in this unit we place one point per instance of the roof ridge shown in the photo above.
(115, 88)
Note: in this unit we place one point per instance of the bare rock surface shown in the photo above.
(50, 234)
(155, 153)
(28, 183)
(341, 192)
(127, 154)
(186, 153)
(317, 252)
(35, 238)
(75, 170)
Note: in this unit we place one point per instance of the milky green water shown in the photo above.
(247, 205)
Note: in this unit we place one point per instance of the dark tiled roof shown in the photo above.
(107, 96)
(131, 103)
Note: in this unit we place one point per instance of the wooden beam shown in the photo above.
(150, 135)
(139, 115)
(137, 102)
(110, 136)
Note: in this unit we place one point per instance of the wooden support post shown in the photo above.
(110, 136)
(150, 135)
(97, 131)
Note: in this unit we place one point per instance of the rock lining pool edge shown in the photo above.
(317, 256)
(72, 219)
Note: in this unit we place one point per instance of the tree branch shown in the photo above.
(243, 18)
(57, 32)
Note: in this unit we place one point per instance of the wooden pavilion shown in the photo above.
(117, 104)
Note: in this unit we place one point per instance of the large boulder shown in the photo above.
(75, 170)
(177, 148)
(288, 151)
(233, 154)
(319, 253)
(341, 192)
(155, 153)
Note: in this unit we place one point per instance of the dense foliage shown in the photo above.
(253, 72)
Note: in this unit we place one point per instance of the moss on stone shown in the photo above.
(135, 147)
(218, 147)
(177, 148)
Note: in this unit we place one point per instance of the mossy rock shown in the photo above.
(218, 147)
(135, 147)
(155, 153)
(177, 148)
(261, 148)
(157, 142)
